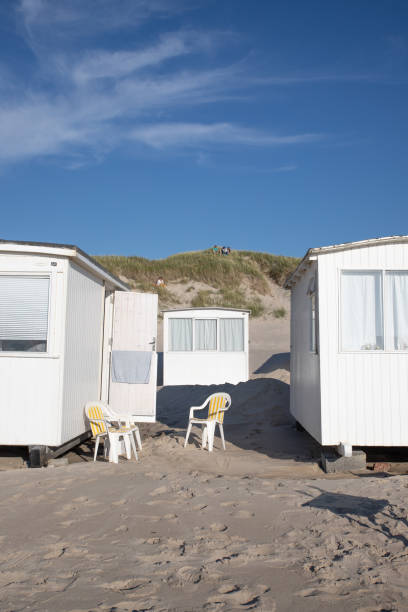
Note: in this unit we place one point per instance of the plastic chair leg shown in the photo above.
(187, 434)
(205, 437)
(113, 448)
(211, 432)
(96, 447)
(126, 441)
(132, 442)
(138, 438)
(222, 435)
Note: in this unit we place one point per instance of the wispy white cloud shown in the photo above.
(163, 135)
(287, 168)
(315, 79)
(101, 64)
(73, 16)
(83, 100)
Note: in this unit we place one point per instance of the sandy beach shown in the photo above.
(259, 526)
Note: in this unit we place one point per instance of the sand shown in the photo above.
(258, 526)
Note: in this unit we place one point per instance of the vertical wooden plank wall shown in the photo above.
(364, 395)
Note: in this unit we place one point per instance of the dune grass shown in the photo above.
(227, 275)
(279, 313)
(228, 298)
(222, 272)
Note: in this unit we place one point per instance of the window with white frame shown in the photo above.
(311, 292)
(205, 334)
(396, 309)
(217, 334)
(180, 334)
(313, 323)
(24, 313)
(374, 310)
(231, 335)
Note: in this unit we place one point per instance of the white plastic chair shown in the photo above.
(101, 426)
(127, 420)
(218, 404)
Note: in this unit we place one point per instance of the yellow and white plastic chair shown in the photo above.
(218, 404)
(102, 428)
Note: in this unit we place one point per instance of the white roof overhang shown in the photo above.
(64, 250)
(313, 254)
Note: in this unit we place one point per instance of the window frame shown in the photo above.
(386, 350)
(210, 351)
(34, 354)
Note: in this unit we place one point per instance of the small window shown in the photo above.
(313, 323)
(396, 304)
(361, 310)
(205, 335)
(24, 313)
(231, 335)
(181, 335)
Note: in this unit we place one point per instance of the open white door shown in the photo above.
(135, 329)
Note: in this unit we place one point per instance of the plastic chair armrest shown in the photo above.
(192, 409)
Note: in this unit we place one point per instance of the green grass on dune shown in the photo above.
(227, 275)
(221, 272)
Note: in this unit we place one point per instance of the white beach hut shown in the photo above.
(61, 316)
(349, 343)
(205, 346)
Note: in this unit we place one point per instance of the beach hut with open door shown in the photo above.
(349, 343)
(61, 315)
(205, 346)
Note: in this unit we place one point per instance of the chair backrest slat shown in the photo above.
(96, 419)
(216, 407)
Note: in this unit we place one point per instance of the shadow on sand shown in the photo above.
(366, 512)
(279, 361)
(258, 419)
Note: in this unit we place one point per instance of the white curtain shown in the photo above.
(181, 335)
(205, 335)
(396, 299)
(361, 311)
(231, 334)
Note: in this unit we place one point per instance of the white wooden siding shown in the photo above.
(31, 382)
(204, 367)
(304, 364)
(364, 395)
(135, 329)
(83, 349)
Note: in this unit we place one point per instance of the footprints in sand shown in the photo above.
(230, 594)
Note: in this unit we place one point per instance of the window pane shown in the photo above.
(205, 335)
(24, 313)
(313, 323)
(181, 335)
(231, 334)
(361, 311)
(396, 299)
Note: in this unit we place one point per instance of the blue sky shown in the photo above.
(150, 127)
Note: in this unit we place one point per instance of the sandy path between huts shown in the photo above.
(257, 527)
